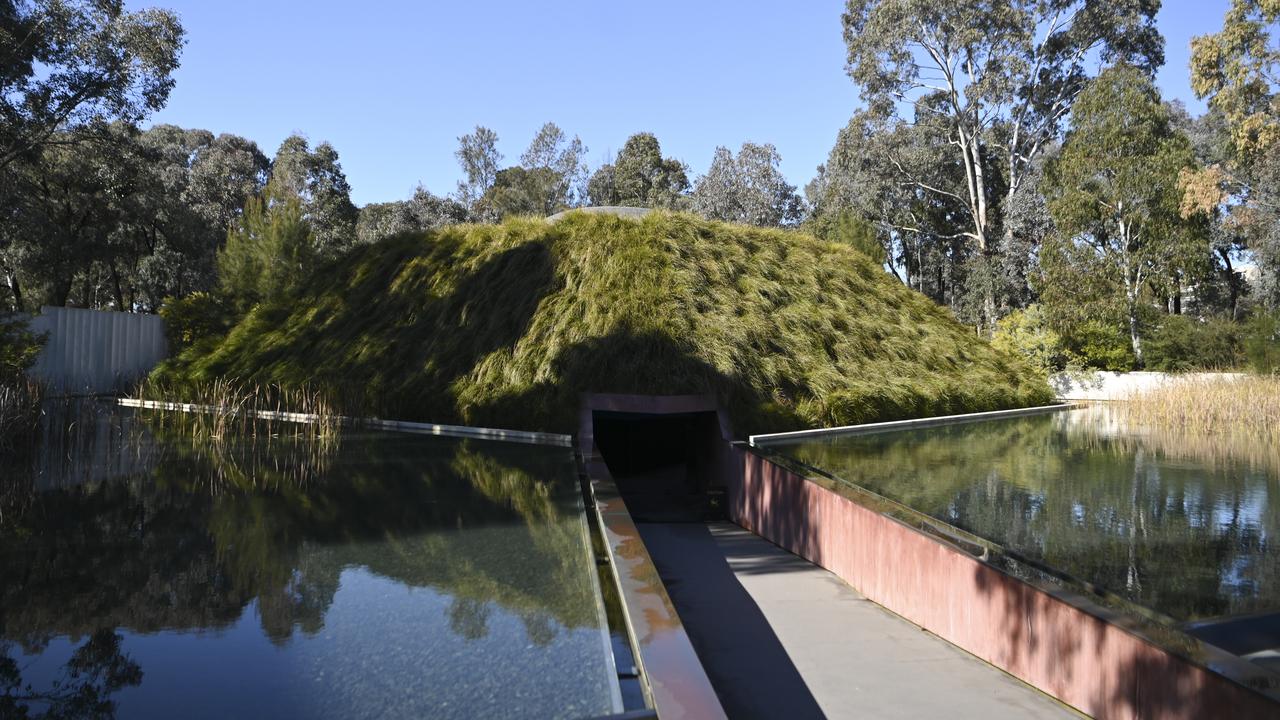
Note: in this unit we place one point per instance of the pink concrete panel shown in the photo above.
(1077, 656)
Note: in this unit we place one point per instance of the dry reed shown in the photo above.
(20, 408)
(226, 409)
(1228, 405)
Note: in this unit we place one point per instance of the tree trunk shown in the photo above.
(1233, 283)
(1134, 337)
(16, 288)
(117, 290)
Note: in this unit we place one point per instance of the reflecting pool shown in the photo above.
(144, 573)
(1177, 523)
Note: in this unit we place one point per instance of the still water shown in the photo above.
(146, 574)
(1182, 524)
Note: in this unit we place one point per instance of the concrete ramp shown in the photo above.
(781, 637)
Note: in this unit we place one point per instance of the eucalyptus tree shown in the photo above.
(640, 176)
(316, 178)
(193, 191)
(67, 206)
(559, 163)
(748, 188)
(998, 80)
(874, 172)
(521, 191)
(1115, 196)
(1235, 69)
(423, 211)
(68, 65)
(479, 158)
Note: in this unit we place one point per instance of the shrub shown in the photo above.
(1026, 333)
(1262, 342)
(198, 317)
(1180, 343)
(1099, 345)
(19, 347)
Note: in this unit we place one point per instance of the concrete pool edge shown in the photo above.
(893, 425)
(1077, 651)
(421, 428)
(676, 684)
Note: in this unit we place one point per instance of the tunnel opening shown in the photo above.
(666, 466)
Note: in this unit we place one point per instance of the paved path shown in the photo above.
(783, 638)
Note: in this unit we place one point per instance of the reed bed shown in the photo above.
(227, 409)
(1232, 405)
(20, 410)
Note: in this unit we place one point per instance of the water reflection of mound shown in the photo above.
(159, 550)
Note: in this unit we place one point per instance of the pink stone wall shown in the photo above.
(1083, 660)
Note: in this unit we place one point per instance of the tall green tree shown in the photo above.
(995, 80)
(1235, 69)
(640, 177)
(874, 172)
(316, 178)
(748, 188)
(1115, 196)
(423, 211)
(270, 249)
(125, 220)
(479, 158)
(69, 65)
(558, 162)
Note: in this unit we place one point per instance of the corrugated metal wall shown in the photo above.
(96, 350)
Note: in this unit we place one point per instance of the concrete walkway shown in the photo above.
(781, 637)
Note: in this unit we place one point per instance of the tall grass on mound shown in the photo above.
(507, 325)
(227, 410)
(1248, 405)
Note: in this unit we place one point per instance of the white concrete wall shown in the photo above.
(1104, 385)
(96, 351)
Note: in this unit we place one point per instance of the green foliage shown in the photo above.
(978, 91)
(1026, 332)
(1235, 69)
(520, 191)
(1100, 345)
(1262, 342)
(1180, 343)
(849, 228)
(748, 189)
(269, 251)
(507, 325)
(197, 318)
(1114, 193)
(19, 347)
(640, 177)
(71, 64)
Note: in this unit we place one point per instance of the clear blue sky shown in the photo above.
(393, 83)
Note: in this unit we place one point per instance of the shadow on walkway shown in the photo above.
(747, 664)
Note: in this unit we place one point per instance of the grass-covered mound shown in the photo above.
(507, 325)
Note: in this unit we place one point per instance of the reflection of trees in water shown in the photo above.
(1188, 539)
(96, 669)
(181, 546)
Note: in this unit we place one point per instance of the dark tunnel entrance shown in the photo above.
(666, 466)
